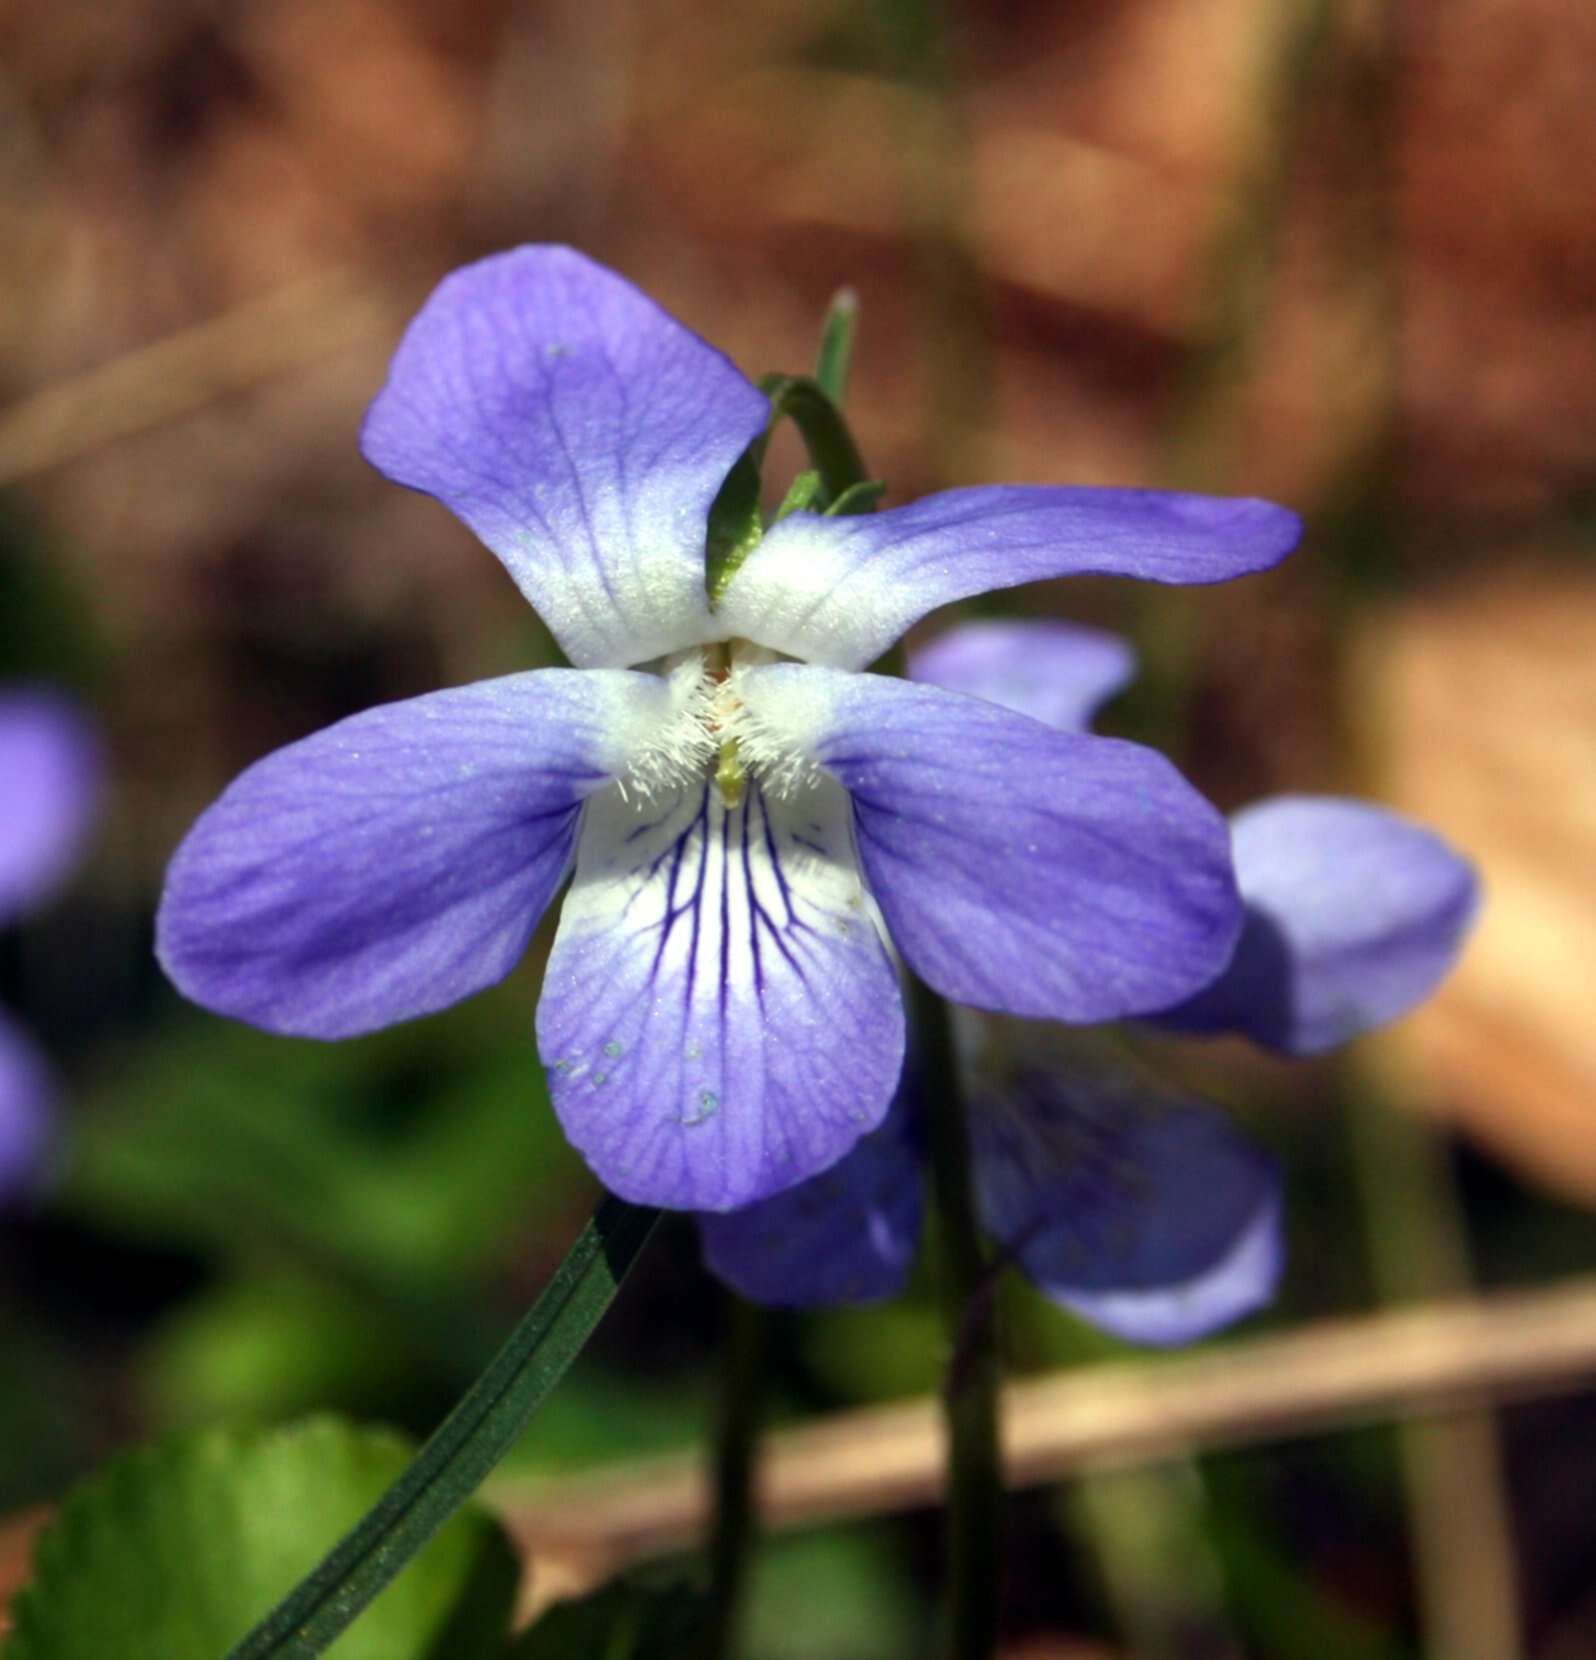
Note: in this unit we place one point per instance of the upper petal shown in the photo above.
(1354, 915)
(581, 432)
(720, 1018)
(50, 763)
(841, 590)
(1058, 673)
(1147, 1214)
(1019, 868)
(399, 860)
(847, 1235)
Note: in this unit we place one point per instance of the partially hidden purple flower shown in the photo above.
(1138, 1209)
(749, 817)
(1143, 1212)
(1354, 914)
(49, 783)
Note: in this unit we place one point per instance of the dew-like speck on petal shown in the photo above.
(707, 1105)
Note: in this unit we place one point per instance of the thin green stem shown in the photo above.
(970, 1397)
(825, 433)
(465, 1446)
(738, 1419)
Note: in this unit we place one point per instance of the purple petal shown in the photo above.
(1019, 868)
(1354, 916)
(24, 1110)
(721, 1018)
(1149, 1216)
(581, 433)
(50, 765)
(398, 861)
(847, 1235)
(1058, 673)
(1240, 1283)
(841, 590)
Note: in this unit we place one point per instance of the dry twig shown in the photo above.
(1323, 1377)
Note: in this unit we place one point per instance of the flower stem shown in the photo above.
(970, 1395)
(465, 1446)
(735, 1461)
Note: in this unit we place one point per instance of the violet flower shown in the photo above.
(49, 775)
(1141, 1211)
(749, 816)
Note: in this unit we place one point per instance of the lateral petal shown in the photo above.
(398, 861)
(721, 1018)
(1019, 868)
(1354, 916)
(581, 432)
(840, 590)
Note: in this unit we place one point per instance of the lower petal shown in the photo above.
(398, 861)
(1147, 1214)
(1240, 1283)
(847, 1235)
(720, 1018)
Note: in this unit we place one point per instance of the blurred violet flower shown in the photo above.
(49, 782)
(749, 816)
(1144, 1213)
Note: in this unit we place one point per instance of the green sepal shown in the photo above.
(735, 522)
(170, 1551)
(858, 498)
(802, 494)
(836, 344)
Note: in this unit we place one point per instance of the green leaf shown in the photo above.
(465, 1446)
(169, 1552)
(625, 1621)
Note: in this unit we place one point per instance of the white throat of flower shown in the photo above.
(712, 731)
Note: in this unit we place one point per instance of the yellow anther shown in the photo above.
(729, 774)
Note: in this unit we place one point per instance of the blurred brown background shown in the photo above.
(1338, 254)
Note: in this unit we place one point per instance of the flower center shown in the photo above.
(711, 733)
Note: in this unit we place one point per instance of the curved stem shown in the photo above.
(824, 431)
(737, 1427)
(465, 1446)
(970, 1395)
